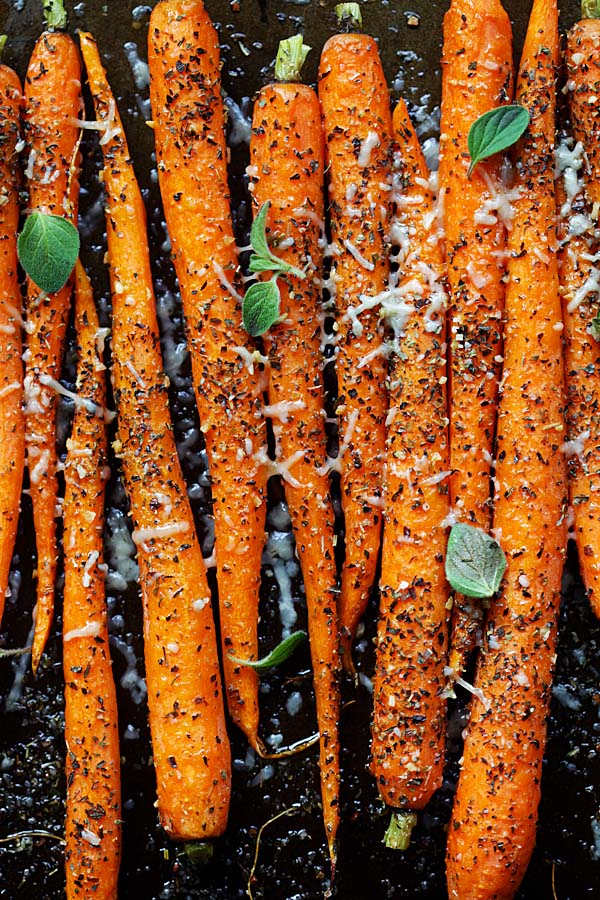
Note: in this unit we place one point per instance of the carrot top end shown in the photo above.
(3, 39)
(291, 55)
(55, 15)
(397, 836)
(349, 13)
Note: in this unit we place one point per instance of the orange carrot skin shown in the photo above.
(287, 153)
(582, 363)
(191, 152)
(477, 76)
(52, 106)
(187, 720)
(583, 68)
(12, 422)
(409, 715)
(355, 103)
(93, 826)
(492, 832)
(582, 357)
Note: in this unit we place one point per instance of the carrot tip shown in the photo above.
(397, 836)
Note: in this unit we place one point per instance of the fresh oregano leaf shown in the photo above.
(260, 264)
(258, 232)
(595, 324)
(260, 308)
(263, 259)
(475, 562)
(48, 248)
(496, 130)
(276, 657)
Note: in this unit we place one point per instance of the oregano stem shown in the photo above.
(590, 9)
(349, 13)
(55, 15)
(291, 55)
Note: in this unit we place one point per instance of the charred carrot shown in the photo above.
(492, 832)
(52, 107)
(93, 827)
(12, 423)
(187, 720)
(190, 144)
(583, 68)
(408, 731)
(287, 158)
(358, 125)
(579, 207)
(477, 76)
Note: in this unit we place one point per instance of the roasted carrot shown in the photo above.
(579, 207)
(477, 76)
(12, 423)
(492, 832)
(583, 67)
(287, 158)
(358, 125)
(187, 719)
(93, 827)
(52, 107)
(190, 145)
(408, 730)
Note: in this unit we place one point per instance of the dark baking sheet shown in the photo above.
(292, 863)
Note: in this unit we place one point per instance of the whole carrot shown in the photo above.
(93, 826)
(187, 720)
(52, 107)
(12, 423)
(287, 157)
(583, 67)
(189, 132)
(579, 206)
(408, 731)
(492, 832)
(477, 76)
(357, 125)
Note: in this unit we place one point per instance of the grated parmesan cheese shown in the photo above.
(90, 629)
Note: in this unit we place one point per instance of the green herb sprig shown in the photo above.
(276, 657)
(262, 300)
(475, 562)
(48, 248)
(495, 131)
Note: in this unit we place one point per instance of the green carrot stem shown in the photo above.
(349, 13)
(3, 39)
(55, 15)
(290, 58)
(397, 836)
(590, 9)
